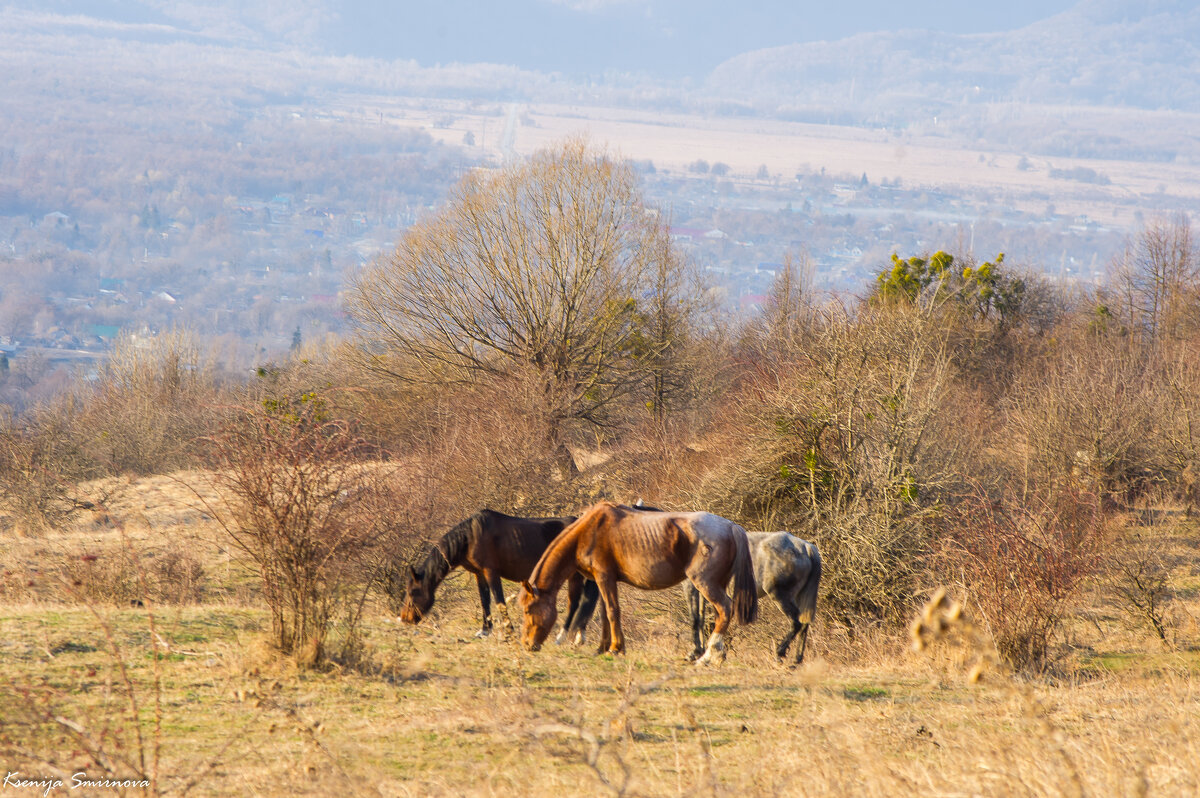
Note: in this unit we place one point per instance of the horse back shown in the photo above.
(512, 545)
(650, 550)
(781, 558)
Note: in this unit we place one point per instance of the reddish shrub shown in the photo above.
(1023, 561)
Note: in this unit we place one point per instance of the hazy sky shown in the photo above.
(671, 38)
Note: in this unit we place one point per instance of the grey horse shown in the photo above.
(788, 570)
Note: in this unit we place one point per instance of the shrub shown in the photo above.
(844, 435)
(1023, 561)
(1088, 414)
(41, 462)
(122, 576)
(300, 498)
(151, 399)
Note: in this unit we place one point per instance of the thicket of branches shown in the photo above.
(537, 345)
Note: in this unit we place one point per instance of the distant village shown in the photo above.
(264, 273)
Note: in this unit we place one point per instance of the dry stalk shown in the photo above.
(615, 728)
(946, 621)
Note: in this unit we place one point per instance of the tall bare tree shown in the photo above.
(1158, 280)
(674, 300)
(790, 308)
(529, 273)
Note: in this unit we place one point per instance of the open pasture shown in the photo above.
(932, 156)
(431, 710)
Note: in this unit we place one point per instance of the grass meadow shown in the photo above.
(186, 689)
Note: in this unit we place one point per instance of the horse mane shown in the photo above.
(551, 557)
(448, 552)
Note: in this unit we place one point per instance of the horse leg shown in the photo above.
(582, 595)
(788, 605)
(608, 592)
(485, 601)
(803, 644)
(493, 580)
(696, 611)
(574, 589)
(605, 629)
(587, 606)
(715, 650)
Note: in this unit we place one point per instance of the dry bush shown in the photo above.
(1023, 561)
(1138, 572)
(491, 445)
(151, 399)
(1087, 414)
(1177, 419)
(1140, 576)
(661, 461)
(41, 463)
(122, 576)
(300, 499)
(846, 439)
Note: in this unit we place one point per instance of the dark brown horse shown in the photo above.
(611, 543)
(493, 546)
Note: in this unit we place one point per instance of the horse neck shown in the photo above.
(557, 563)
(447, 554)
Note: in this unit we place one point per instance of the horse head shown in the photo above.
(539, 612)
(418, 596)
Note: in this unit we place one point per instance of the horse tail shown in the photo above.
(808, 595)
(745, 589)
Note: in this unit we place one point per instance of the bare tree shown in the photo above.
(671, 305)
(530, 273)
(789, 311)
(1158, 280)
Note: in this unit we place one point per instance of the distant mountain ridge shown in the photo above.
(580, 39)
(1131, 53)
(1100, 52)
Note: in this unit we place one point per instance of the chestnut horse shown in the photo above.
(492, 546)
(612, 543)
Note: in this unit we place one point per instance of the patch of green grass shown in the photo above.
(1116, 662)
(864, 693)
(1144, 663)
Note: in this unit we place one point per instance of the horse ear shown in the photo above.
(412, 574)
(530, 589)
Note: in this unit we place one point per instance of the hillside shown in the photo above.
(1101, 52)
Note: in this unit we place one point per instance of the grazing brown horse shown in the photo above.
(493, 546)
(612, 543)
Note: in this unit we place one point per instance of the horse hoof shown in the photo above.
(482, 633)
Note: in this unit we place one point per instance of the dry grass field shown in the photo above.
(431, 710)
(924, 158)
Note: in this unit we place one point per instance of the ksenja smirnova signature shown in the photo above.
(14, 780)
